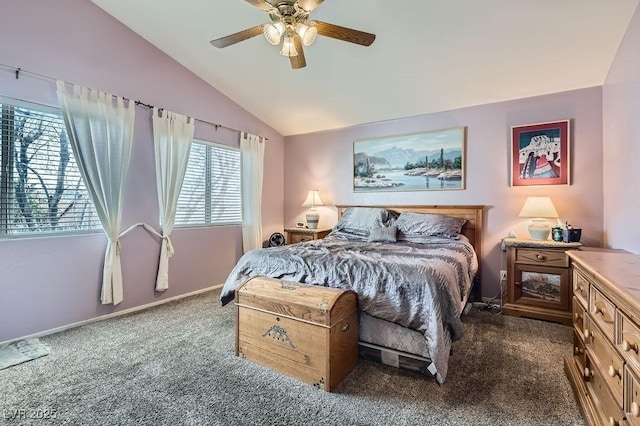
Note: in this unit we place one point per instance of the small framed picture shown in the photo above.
(540, 154)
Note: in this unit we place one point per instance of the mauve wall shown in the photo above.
(324, 161)
(621, 141)
(54, 281)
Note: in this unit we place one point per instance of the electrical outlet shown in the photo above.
(503, 275)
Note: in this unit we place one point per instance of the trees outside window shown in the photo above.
(41, 190)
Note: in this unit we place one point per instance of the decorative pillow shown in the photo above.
(380, 234)
(424, 224)
(360, 220)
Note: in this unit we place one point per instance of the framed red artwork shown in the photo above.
(540, 154)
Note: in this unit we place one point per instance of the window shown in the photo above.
(211, 193)
(41, 190)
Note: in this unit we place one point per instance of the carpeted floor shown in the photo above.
(175, 365)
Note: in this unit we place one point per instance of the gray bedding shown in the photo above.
(419, 286)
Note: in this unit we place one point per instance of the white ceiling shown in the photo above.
(428, 56)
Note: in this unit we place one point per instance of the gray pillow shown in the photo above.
(380, 234)
(360, 220)
(425, 224)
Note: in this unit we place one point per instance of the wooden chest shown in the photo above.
(304, 331)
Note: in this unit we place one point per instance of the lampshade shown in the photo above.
(307, 33)
(273, 32)
(313, 199)
(538, 208)
(288, 46)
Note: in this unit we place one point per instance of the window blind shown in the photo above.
(41, 190)
(211, 192)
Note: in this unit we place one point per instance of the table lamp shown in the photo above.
(539, 209)
(313, 200)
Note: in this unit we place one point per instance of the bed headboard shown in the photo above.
(472, 229)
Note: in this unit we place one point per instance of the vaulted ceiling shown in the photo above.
(428, 56)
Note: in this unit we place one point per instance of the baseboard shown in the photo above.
(112, 315)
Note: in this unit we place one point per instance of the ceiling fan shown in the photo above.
(291, 25)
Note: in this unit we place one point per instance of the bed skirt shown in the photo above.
(391, 344)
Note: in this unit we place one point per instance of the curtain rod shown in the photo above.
(18, 71)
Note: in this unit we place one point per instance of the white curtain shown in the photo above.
(100, 129)
(252, 159)
(172, 135)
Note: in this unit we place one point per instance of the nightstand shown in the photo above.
(298, 235)
(539, 283)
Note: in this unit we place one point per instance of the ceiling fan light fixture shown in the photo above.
(273, 32)
(307, 33)
(289, 46)
(289, 23)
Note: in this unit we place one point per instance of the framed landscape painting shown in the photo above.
(433, 160)
(540, 154)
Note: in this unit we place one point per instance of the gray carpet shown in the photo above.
(175, 365)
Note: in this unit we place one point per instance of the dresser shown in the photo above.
(539, 282)
(604, 369)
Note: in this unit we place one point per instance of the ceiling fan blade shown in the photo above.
(237, 37)
(344, 34)
(298, 61)
(261, 4)
(309, 5)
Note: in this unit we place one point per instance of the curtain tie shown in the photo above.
(170, 250)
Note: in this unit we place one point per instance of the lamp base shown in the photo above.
(312, 220)
(539, 229)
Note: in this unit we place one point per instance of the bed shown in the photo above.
(413, 268)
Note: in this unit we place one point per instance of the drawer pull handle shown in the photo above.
(613, 372)
(578, 315)
(518, 284)
(588, 373)
(578, 351)
(586, 333)
(346, 327)
(541, 256)
(579, 287)
(635, 409)
(598, 310)
(627, 346)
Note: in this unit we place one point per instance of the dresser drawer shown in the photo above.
(602, 311)
(579, 315)
(299, 238)
(632, 398)
(542, 257)
(578, 349)
(629, 339)
(606, 407)
(581, 288)
(606, 359)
